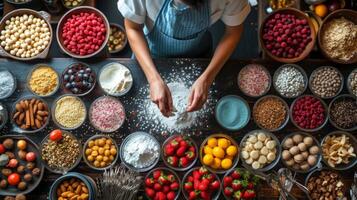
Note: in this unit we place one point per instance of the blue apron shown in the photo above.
(180, 31)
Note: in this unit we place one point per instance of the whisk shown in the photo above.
(119, 183)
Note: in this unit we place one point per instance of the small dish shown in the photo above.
(312, 76)
(338, 98)
(229, 111)
(29, 75)
(118, 28)
(14, 85)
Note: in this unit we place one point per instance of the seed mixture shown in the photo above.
(61, 154)
(7, 83)
(270, 113)
(43, 80)
(308, 112)
(254, 80)
(69, 111)
(353, 82)
(290, 82)
(343, 113)
(326, 82)
(339, 39)
(327, 185)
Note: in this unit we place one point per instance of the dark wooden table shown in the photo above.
(226, 83)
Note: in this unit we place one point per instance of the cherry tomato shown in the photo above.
(56, 135)
(30, 156)
(13, 179)
(2, 149)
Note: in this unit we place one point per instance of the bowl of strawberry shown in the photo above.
(179, 152)
(239, 184)
(199, 183)
(162, 183)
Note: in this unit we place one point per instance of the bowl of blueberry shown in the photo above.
(78, 79)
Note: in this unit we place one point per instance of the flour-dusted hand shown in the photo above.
(198, 94)
(161, 96)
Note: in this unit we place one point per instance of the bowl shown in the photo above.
(13, 112)
(125, 41)
(118, 66)
(167, 141)
(73, 65)
(234, 161)
(347, 14)
(39, 14)
(76, 11)
(245, 68)
(349, 79)
(353, 161)
(270, 165)
(29, 78)
(90, 114)
(313, 74)
(63, 170)
(299, 14)
(3, 115)
(223, 110)
(275, 77)
(124, 143)
(343, 96)
(216, 196)
(19, 3)
(286, 108)
(309, 130)
(88, 181)
(53, 112)
(166, 171)
(15, 83)
(315, 141)
(31, 146)
(70, 7)
(89, 163)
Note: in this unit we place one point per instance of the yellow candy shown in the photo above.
(226, 163)
(208, 159)
(216, 163)
(212, 142)
(207, 150)
(232, 150)
(223, 143)
(218, 152)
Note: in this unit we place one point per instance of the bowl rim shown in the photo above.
(170, 171)
(13, 111)
(29, 75)
(330, 16)
(53, 112)
(180, 169)
(112, 94)
(66, 91)
(64, 171)
(15, 83)
(240, 99)
(353, 162)
(312, 77)
(319, 154)
(66, 16)
(264, 69)
(122, 146)
(5, 115)
(342, 96)
(233, 142)
(309, 130)
(278, 151)
(300, 69)
(190, 172)
(88, 162)
(286, 121)
(348, 81)
(126, 38)
(91, 110)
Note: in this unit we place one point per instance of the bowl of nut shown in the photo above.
(117, 38)
(339, 150)
(30, 39)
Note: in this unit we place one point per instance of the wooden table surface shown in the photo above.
(226, 83)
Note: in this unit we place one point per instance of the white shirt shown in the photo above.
(231, 12)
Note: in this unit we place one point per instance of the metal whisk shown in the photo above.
(119, 183)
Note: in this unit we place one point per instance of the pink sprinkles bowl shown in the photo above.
(107, 114)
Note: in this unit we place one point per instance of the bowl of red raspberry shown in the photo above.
(309, 113)
(179, 152)
(287, 35)
(83, 32)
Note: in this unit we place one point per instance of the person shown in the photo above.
(179, 28)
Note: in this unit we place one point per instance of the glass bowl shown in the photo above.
(313, 74)
(342, 96)
(29, 78)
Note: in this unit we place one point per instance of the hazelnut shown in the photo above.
(30, 165)
(20, 197)
(294, 150)
(28, 177)
(22, 185)
(8, 143)
(298, 158)
(288, 143)
(314, 150)
(22, 154)
(6, 171)
(302, 146)
(297, 138)
(36, 171)
(290, 162)
(308, 141)
(305, 154)
(286, 155)
(312, 160)
(21, 169)
(304, 166)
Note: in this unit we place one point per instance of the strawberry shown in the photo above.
(160, 196)
(149, 182)
(174, 143)
(237, 195)
(171, 195)
(171, 178)
(181, 151)
(203, 187)
(174, 186)
(157, 187)
(227, 181)
(188, 186)
(209, 177)
(196, 175)
(205, 182)
(173, 161)
(183, 143)
(203, 171)
(150, 192)
(237, 185)
(250, 186)
(190, 155)
(163, 180)
(205, 195)
(228, 191)
(166, 189)
(249, 194)
(156, 174)
(192, 148)
(236, 174)
(190, 179)
(193, 195)
(169, 150)
(179, 138)
(183, 162)
(196, 184)
(215, 185)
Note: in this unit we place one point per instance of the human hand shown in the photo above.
(161, 96)
(198, 94)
